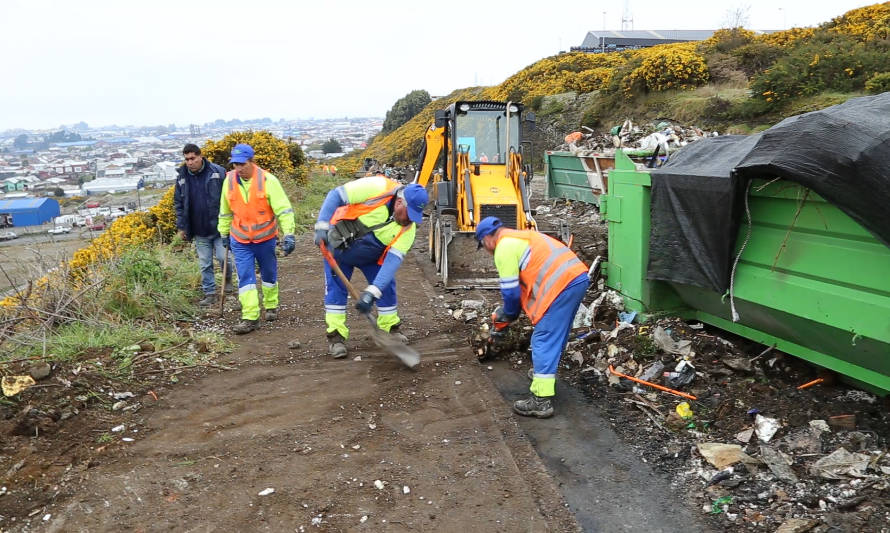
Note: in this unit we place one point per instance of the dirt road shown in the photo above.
(360, 444)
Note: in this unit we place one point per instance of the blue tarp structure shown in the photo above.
(30, 211)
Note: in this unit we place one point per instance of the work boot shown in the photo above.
(245, 326)
(271, 315)
(229, 288)
(394, 331)
(535, 406)
(336, 345)
(208, 300)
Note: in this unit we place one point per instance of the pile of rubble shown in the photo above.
(663, 137)
(735, 431)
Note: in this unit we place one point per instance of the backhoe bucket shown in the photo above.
(463, 266)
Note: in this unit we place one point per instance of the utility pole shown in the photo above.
(627, 18)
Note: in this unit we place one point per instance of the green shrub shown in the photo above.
(824, 63)
(879, 83)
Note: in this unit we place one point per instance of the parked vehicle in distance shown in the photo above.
(58, 230)
(98, 226)
(8, 235)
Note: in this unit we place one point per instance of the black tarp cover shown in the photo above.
(841, 152)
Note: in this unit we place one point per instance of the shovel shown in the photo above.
(407, 355)
(225, 270)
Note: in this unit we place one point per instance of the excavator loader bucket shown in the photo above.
(462, 265)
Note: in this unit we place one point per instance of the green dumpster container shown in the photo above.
(819, 291)
(577, 177)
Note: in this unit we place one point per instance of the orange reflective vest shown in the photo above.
(254, 220)
(551, 267)
(353, 211)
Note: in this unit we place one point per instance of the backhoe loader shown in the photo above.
(472, 155)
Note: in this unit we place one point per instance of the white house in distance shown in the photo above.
(112, 185)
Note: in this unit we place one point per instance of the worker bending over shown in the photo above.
(369, 224)
(547, 280)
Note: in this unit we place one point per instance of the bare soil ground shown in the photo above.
(355, 444)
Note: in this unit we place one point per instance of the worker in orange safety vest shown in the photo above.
(548, 281)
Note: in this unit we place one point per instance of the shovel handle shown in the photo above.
(336, 268)
(225, 270)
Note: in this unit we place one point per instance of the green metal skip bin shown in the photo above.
(576, 176)
(811, 280)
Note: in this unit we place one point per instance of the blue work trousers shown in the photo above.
(247, 256)
(363, 255)
(552, 332)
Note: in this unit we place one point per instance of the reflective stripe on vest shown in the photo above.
(551, 267)
(353, 211)
(254, 220)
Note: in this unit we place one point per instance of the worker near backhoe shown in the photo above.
(548, 281)
(369, 224)
(253, 212)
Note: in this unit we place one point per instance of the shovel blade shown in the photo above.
(406, 354)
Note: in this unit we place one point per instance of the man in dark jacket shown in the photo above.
(196, 199)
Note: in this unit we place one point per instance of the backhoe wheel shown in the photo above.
(437, 239)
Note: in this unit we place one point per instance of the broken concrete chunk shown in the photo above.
(840, 464)
(472, 304)
(745, 435)
(820, 425)
(797, 525)
(779, 464)
(39, 371)
(721, 455)
(739, 364)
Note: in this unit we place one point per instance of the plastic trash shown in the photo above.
(684, 410)
(654, 370)
(720, 504)
(682, 375)
(765, 427)
(582, 319)
(13, 385)
(663, 340)
(627, 316)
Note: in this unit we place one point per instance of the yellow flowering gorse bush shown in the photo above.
(271, 152)
(669, 66)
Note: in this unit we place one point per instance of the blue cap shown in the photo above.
(487, 226)
(241, 153)
(415, 197)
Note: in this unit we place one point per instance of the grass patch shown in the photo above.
(307, 199)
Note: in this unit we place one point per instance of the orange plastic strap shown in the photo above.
(654, 385)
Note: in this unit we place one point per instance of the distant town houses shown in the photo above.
(119, 159)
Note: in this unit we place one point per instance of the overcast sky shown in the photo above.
(193, 61)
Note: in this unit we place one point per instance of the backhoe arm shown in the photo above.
(433, 142)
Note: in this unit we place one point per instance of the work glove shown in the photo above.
(366, 299)
(288, 245)
(225, 241)
(321, 233)
(500, 320)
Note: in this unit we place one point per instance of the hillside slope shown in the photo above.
(735, 82)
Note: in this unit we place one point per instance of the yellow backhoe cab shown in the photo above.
(473, 155)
